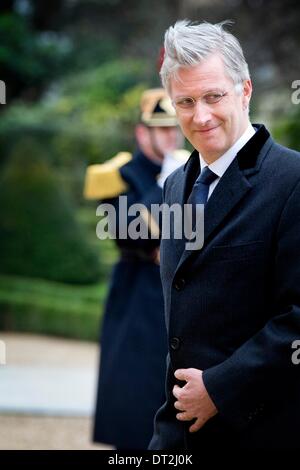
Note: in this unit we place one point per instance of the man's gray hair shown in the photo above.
(187, 44)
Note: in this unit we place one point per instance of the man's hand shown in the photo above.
(192, 399)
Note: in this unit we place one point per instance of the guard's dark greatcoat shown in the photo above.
(133, 339)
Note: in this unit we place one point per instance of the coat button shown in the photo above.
(175, 343)
(179, 284)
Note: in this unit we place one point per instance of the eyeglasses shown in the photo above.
(187, 103)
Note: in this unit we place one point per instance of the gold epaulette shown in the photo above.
(103, 180)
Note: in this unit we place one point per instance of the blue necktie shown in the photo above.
(198, 195)
(200, 189)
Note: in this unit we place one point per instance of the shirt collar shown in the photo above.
(222, 163)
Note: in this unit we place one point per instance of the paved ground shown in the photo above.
(50, 433)
(47, 393)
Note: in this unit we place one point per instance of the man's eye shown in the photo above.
(185, 102)
(213, 98)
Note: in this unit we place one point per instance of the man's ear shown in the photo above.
(247, 92)
(141, 134)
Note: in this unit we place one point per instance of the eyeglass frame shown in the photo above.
(220, 95)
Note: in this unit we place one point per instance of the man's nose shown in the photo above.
(202, 113)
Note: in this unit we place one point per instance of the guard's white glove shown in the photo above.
(171, 162)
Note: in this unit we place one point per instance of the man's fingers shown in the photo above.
(197, 425)
(176, 391)
(186, 374)
(179, 406)
(181, 374)
(184, 416)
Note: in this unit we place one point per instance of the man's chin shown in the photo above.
(210, 153)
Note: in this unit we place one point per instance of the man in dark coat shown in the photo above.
(133, 338)
(233, 306)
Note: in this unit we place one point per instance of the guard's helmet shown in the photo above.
(157, 109)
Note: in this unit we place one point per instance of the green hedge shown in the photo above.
(39, 235)
(287, 129)
(45, 307)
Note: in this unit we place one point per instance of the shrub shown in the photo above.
(52, 308)
(287, 131)
(39, 235)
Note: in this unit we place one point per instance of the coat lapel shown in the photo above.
(181, 191)
(232, 187)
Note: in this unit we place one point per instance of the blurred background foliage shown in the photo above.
(40, 236)
(74, 71)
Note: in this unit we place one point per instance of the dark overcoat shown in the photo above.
(133, 338)
(233, 307)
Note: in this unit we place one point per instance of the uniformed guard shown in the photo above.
(133, 337)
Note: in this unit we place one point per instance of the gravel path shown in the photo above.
(20, 428)
(46, 433)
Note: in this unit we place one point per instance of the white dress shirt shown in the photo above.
(222, 163)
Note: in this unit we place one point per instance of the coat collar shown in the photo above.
(248, 155)
(232, 187)
(140, 173)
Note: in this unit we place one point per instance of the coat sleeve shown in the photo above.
(262, 367)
